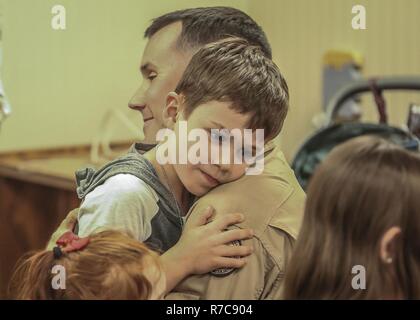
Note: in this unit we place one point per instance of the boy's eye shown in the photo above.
(217, 137)
(245, 153)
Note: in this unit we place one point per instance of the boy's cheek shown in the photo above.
(238, 171)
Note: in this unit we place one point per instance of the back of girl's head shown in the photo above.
(363, 188)
(112, 266)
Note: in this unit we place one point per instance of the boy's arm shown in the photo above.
(200, 249)
(204, 247)
(123, 203)
(114, 205)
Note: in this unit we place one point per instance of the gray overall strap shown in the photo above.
(167, 224)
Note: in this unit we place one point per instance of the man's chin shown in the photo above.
(147, 139)
(150, 133)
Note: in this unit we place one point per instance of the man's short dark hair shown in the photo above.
(201, 26)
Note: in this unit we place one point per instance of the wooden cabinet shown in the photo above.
(37, 190)
(29, 213)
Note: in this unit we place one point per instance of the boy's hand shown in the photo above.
(67, 224)
(205, 246)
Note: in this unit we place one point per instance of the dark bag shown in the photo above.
(316, 148)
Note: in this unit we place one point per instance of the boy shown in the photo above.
(228, 85)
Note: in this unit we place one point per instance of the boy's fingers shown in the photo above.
(224, 221)
(207, 215)
(223, 262)
(234, 251)
(229, 236)
(201, 218)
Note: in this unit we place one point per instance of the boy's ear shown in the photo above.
(172, 109)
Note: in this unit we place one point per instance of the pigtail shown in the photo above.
(32, 277)
(107, 265)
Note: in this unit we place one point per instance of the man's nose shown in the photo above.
(137, 101)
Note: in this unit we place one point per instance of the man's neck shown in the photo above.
(144, 147)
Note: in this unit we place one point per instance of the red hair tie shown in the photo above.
(69, 242)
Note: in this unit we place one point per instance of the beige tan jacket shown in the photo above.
(273, 205)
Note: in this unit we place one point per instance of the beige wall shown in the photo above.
(61, 82)
(300, 32)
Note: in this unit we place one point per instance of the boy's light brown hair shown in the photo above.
(362, 189)
(112, 266)
(234, 71)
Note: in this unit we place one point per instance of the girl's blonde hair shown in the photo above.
(111, 266)
(363, 188)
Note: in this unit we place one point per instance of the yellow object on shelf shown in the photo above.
(337, 59)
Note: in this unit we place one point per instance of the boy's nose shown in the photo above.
(223, 166)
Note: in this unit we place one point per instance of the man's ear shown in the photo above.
(388, 245)
(172, 109)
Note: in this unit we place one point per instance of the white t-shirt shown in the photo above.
(124, 202)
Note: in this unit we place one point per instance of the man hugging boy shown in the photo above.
(228, 88)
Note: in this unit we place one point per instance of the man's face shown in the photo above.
(161, 68)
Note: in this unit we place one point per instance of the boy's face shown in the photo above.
(161, 67)
(201, 178)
